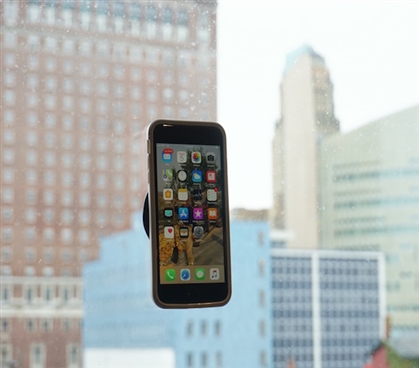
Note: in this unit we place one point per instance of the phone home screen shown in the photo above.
(190, 208)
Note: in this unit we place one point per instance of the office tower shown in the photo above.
(123, 324)
(370, 201)
(79, 79)
(328, 307)
(307, 116)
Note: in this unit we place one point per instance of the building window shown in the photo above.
(67, 198)
(5, 293)
(50, 121)
(8, 155)
(49, 159)
(73, 355)
(66, 236)
(6, 252)
(66, 256)
(8, 175)
(30, 254)
(30, 215)
(9, 116)
(31, 196)
(5, 326)
(7, 194)
(49, 217)
(29, 295)
(30, 325)
(7, 214)
(189, 360)
(262, 328)
(84, 217)
(30, 233)
(66, 324)
(9, 136)
(38, 355)
(49, 235)
(204, 359)
(46, 325)
(262, 299)
(84, 236)
(203, 328)
(31, 159)
(6, 234)
(217, 328)
(218, 359)
(48, 255)
(31, 138)
(84, 199)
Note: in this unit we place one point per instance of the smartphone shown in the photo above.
(189, 214)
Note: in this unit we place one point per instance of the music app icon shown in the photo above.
(214, 274)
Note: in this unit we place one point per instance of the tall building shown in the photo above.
(79, 79)
(307, 116)
(328, 307)
(123, 324)
(370, 201)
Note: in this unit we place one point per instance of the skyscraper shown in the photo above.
(307, 116)
(370, 201)
(79, 79)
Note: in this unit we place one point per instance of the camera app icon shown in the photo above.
(211, 158)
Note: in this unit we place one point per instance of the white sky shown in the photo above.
(370, 48)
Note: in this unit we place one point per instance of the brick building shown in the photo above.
(79, 80)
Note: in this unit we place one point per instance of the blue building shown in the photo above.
(328, 307)
(123, 326)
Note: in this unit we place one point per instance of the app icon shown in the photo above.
(168, 213)
(181, 157)
(198, 213)
(198, 232)
(184, 232)
(211, 195)
(185, 274)
(211, 158)
(211, 176)
(199, 273)
(212, 214)
(197, 194)
(196, 157)
(167, 194)
(169, 232)
(181, 175)
(170, 274)
(196, 176)
(167, 155)
(182, 194)
(167, 175)
(214, 274)
(183, 213)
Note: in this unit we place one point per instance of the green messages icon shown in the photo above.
(170, 274)
(200, 274)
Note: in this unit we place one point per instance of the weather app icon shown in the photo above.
(196, 176)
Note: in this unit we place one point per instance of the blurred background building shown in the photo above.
(307, 116)
(123, 326)
(369, 191)
(79, 79)
(328, 307)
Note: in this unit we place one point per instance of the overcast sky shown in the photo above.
(370, 48)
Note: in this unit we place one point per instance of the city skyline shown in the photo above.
(373, 73)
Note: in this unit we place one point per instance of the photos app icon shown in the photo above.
(196, 157)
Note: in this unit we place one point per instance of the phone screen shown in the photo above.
(190, 213)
